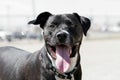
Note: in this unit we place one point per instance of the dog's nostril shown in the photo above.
(62, 36)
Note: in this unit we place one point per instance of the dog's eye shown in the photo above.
(52, 26)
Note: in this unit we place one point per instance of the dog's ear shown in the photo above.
(85, 23)
(41, 19)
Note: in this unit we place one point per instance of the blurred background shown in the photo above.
(100, 51)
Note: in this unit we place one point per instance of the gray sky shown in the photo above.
(103, 9)
(83, 7)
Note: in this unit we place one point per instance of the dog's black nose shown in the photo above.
(62, 36)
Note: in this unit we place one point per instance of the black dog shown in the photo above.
(58, 59)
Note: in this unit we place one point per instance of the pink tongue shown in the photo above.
(63, 60)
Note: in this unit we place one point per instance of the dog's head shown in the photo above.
(63, 35)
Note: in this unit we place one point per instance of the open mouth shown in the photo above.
(61, 54)
(71, 50)
(59, 48)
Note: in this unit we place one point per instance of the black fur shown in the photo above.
(17, 64)
(85, 22)
(41, 19)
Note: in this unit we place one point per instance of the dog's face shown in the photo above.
(63, 35)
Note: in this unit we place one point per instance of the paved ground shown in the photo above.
(100, 59)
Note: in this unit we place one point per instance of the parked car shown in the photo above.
(31, 35)
(18, 35)
(5, 36)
